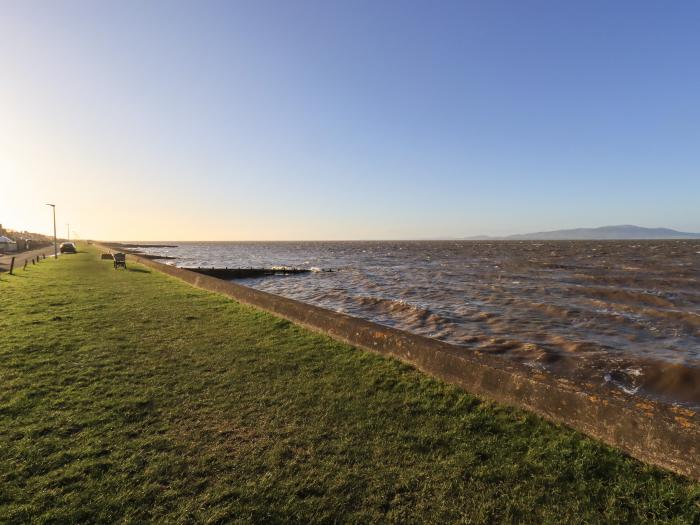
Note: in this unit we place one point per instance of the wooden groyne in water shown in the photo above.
(130, 245)
(242, 273)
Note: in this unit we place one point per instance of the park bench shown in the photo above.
(119, 260)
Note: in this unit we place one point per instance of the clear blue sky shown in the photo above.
(329, 119)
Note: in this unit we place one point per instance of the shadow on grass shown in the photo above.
(139, 270)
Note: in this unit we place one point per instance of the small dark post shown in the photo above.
(12, 265)
(33, 261)
(43, 255)
(25, 264)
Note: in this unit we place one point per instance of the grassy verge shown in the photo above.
(129, 396)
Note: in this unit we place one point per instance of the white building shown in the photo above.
(7, 244)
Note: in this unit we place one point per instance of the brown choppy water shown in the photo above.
(624, 314)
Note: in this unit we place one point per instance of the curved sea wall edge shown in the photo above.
(654, 432)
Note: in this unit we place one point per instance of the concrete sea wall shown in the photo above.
(654, 432)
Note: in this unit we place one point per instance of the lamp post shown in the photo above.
(55, 246)
(68, 226)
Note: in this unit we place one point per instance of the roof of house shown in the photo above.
(4, 239)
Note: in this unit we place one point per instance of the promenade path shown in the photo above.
(23, 256)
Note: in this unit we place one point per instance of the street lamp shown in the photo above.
(68, 226)
(55, 246)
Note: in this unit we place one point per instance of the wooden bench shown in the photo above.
(119, 260)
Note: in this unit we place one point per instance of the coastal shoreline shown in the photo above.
(130, 394)
(672, 441)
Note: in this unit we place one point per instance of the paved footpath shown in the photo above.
(23, 256)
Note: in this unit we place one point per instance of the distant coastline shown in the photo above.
(621, 232)
(612, 233)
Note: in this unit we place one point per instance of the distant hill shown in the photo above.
(626, 231)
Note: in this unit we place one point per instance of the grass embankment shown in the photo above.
(127, 395)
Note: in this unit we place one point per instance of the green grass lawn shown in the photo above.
(129, 396)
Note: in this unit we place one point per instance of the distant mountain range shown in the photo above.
(626, 231)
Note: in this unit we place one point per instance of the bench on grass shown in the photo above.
(119, 260)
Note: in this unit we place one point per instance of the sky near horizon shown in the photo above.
(261, 120)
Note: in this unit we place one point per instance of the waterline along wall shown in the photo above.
(661, 434)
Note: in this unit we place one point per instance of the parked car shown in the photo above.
(68, 247)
